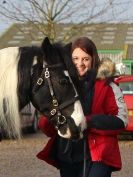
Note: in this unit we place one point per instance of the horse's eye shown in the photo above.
(63, 81)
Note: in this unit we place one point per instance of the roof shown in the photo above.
(106, 36)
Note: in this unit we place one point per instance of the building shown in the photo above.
(114, 41)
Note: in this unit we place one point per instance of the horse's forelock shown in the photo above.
(69, 65)
(64, 53)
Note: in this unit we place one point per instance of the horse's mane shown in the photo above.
(25, 63)
(14, 60)
(9, 58)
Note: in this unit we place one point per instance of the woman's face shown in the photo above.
(82, 61)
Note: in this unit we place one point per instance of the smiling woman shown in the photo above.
(97, 153)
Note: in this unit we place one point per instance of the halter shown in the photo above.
(56, 110)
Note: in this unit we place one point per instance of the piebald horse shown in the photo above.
(46, 77)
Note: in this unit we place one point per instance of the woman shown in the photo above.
(97, 154)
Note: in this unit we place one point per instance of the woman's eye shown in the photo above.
(86, 59)
(63, 81)
(74, 59)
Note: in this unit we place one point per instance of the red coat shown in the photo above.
(102, 142)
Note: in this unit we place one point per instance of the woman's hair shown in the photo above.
(89, 47)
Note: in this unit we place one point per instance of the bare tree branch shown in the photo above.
(44, 15)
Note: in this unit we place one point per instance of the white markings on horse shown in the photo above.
(66, 135)
(34, 61)
(67, 74)
(77, 115)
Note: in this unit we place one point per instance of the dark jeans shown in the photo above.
(93, 169)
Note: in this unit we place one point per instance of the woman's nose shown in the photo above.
(80, 63)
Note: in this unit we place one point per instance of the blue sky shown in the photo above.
(4, 24)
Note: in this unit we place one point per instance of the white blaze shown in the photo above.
(66, 135)
(77, 115)
(79, 119)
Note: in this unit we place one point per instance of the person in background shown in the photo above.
(97, 154)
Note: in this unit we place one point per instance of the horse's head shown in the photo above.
(40, 75)
(53, 92)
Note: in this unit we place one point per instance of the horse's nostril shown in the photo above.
(63, 129)
(76, 136)
(61, 119)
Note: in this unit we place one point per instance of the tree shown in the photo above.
(45, 15)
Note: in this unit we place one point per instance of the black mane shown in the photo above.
(27, 55)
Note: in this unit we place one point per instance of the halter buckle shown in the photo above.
(40, 81)
(53, 112)
(61, 119)
(55, 102)
(47, 74)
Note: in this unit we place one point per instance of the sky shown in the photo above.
(3, 27)
(4, 24)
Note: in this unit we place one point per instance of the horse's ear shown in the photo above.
(69, 64)
(68, 48)
(46, 45)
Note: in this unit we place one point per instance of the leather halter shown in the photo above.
(56, 110)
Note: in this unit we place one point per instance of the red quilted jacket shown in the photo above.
(107, 107)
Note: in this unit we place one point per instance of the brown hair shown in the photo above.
(89, 47)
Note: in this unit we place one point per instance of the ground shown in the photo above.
(18, 158)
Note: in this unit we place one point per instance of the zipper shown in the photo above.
(98, 156)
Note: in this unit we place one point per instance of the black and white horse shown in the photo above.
(40, 75)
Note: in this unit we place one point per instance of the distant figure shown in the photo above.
(120, 68)
(0, 135)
